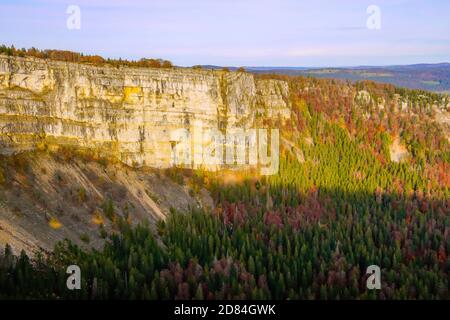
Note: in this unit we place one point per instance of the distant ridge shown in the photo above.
(425, 76)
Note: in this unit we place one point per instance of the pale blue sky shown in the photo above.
(237, 32)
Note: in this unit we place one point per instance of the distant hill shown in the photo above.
(432, 77)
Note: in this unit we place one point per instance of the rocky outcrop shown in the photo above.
(126, 112)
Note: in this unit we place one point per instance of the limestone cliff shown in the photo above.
(126, 112)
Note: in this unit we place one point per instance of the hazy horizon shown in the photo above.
(332, 66)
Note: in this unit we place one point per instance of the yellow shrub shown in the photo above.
(97, 218)
(54, 224)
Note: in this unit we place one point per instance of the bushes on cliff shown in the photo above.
(70, 56)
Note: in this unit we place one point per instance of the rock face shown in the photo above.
(126, 112)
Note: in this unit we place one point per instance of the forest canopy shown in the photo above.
(70, 56)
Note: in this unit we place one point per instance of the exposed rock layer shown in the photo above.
(127, 112)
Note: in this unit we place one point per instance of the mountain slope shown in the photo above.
(48, 197)
(364, 179)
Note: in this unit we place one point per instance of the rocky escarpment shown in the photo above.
(127, 112)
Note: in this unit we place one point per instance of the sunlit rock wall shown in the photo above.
(127, 112)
